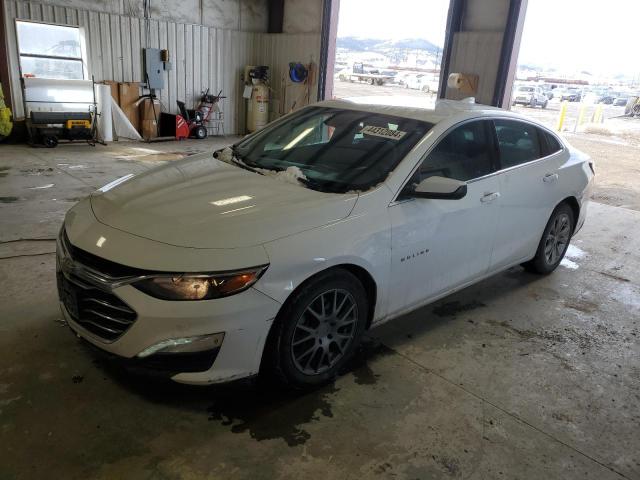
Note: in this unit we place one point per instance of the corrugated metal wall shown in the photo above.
(201, 56)
(277, 50)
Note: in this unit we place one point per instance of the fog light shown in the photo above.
(185, 345)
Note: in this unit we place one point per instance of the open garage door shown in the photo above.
(384, 49)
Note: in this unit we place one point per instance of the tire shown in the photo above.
(544, 105)
(200, 132)
(553, 245)
(300, 347)
(425, 89)
(50, 141)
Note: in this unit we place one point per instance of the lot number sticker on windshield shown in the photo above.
(382, 132)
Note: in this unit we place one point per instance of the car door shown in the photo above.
(438, 245)
(530, 160)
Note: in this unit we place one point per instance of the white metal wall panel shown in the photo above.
(201, 56)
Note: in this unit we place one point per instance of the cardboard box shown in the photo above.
(149, 129)
(115, 93)
(129, 93)
(149, 110)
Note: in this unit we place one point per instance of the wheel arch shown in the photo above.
(361, 273)
(575, 208)
(365, 278)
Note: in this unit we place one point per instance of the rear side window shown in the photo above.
(518, 142)
(550, 144)
(463, 154)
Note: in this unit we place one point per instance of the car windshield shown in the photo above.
(336, 150)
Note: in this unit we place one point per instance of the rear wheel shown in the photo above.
(554, 242)
(318, 330)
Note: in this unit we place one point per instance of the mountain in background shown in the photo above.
(378, 45)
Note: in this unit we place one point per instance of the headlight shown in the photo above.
(199, 286)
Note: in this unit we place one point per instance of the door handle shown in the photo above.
(550, 178)
(489, 197)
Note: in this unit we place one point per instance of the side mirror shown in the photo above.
(440, 188)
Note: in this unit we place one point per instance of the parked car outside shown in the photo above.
(548, 91)
(422, 81)
(529, 95)
(275, 255)
(607, 98)
(568, 94)
(620, 101)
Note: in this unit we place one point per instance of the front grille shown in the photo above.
(97, 310)
(100, 312)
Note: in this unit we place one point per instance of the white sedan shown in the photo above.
(276, 254)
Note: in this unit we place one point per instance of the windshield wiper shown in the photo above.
(238, 161)
(242, 164)
(318, 186)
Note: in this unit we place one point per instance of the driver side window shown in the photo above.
(465, 153)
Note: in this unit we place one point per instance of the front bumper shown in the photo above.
(244, 320)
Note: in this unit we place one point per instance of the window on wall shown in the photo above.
(50, 51)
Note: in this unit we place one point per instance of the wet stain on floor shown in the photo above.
(451, 309)
(581, 305)
(359, 366)
(8, 199)
(269, 413)
(4, 171)
(259, 408)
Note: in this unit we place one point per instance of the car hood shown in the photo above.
(202, 202)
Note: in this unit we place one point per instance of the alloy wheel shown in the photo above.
(557, 239)
(324, 331)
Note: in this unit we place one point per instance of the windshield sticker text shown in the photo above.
(382, 132)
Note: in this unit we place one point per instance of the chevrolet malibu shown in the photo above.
(278, 253)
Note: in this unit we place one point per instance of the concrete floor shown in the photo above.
(520, 376)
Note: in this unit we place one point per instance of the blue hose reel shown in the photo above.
(298, 73)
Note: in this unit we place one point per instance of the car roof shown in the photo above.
(417, 109)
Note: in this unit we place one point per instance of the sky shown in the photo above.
(597, 36)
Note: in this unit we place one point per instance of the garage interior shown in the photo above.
(519, 376)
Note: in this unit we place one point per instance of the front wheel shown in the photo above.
(318, 330)
(200, 132)
(554, 242)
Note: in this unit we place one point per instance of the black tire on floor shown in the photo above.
(200, 132)
(50, 141)
(288, 339)
(552, 246)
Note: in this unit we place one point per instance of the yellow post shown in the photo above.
(563, 113)
(597, 115)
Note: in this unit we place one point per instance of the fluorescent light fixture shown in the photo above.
(230, 200)
(100, 242)
(295, 141)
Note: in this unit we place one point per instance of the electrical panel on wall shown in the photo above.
(153, 68)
